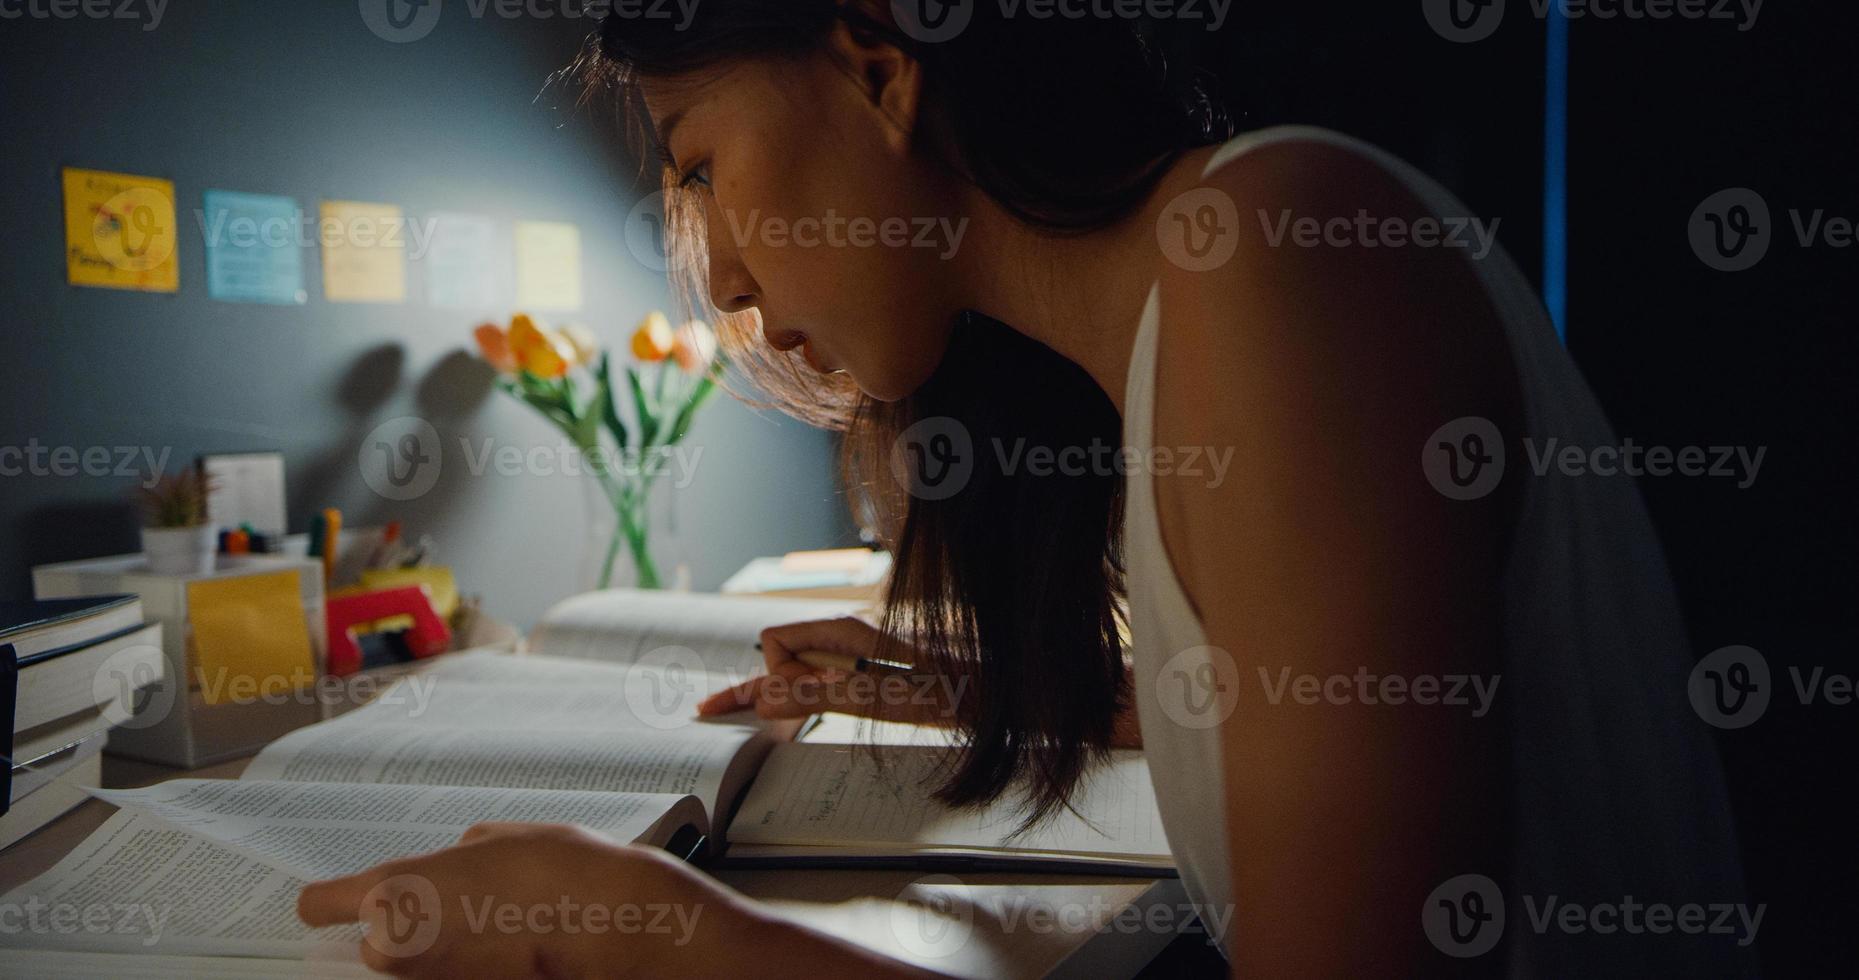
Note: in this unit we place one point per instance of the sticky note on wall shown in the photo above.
(548, 266)
(364, 252)
(120, 231)
(467, 265)
(248, 637)
(254, 248)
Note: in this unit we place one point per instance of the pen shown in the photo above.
(332, 531)
(850, 663)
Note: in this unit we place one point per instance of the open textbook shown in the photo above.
(596, 729)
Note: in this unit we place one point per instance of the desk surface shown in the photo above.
(989, 925)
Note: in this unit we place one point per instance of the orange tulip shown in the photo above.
(653, 340)
(541, 352)
(495, 346)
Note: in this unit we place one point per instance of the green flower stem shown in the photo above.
(661, 426)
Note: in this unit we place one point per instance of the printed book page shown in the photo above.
(485, 689)
(326, 830)
(710, 762)
(168, 891)
(714, 633)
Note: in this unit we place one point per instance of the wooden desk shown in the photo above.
(1003, 925)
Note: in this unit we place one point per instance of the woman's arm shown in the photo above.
(1326, 553)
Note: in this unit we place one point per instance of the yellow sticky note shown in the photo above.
(548, 266)
(364, 252)
(249, 639)
(120, 231)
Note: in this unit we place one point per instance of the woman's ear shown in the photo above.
(891, 80)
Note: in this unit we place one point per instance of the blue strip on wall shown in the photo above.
(1555, 171)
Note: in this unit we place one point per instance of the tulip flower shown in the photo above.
(677, 372)
(581, 339)
(495, 346)
(653, 340)
(541, 352)
(695, 346)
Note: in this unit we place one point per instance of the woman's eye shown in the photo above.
(698, 175)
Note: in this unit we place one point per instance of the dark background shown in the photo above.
(1662, 114)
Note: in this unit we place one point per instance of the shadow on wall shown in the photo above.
(455, 388)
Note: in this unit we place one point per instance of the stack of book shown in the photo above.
(69, 670)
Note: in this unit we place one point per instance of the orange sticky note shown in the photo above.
(364, 252)
(249, 639)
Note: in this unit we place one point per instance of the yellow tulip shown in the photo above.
(581, 339)
(653, 340)
(494, 344)
(695, 346)
(541, 352)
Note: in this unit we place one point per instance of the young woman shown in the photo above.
(1366, 658)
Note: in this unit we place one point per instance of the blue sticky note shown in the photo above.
(255, 248)
(466, 263)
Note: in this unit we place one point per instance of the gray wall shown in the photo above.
(302, 99)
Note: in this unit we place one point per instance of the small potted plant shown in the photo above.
(176, 538)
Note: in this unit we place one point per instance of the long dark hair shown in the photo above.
(1016, 581)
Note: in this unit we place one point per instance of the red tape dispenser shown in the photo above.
(371, 629)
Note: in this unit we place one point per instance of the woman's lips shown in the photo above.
(788, 340)
(785, 340)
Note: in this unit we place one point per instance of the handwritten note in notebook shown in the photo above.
(249, 637)
(838, 797)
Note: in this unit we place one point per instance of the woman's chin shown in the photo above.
(882, 390)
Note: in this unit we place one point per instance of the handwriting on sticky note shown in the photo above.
(364, 252)
(120, 231)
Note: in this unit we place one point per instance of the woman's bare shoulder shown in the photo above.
(1320, 358)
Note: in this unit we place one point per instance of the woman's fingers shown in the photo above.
(798, 691)
(793, 689)
(848, 635)
(732, 698)
(338, 901)
(795, 692)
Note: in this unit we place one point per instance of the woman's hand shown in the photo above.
(529, 900)
(792, 689)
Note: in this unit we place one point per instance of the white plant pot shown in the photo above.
(180, 550)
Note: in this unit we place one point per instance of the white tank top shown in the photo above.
(1617, 790)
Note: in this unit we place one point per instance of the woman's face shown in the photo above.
(816, 211)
